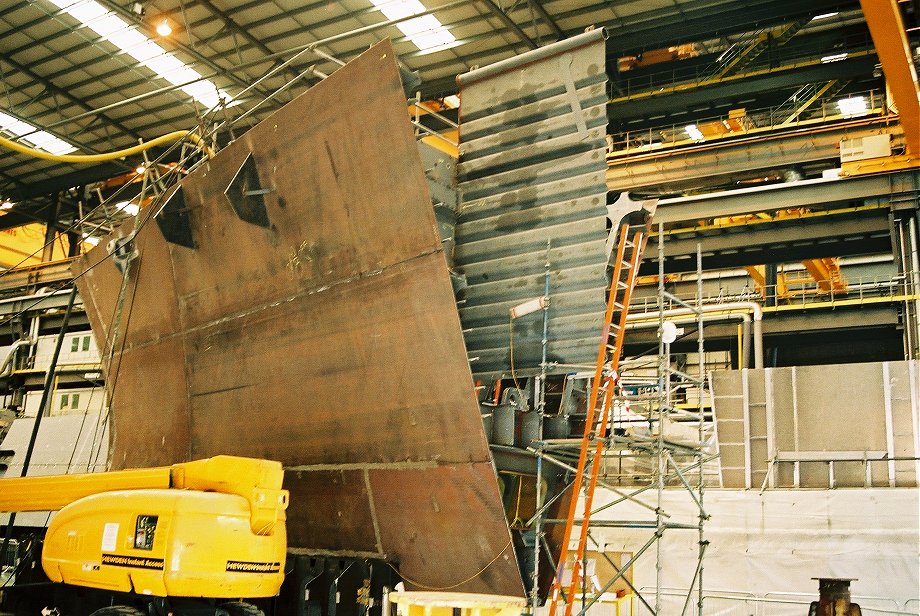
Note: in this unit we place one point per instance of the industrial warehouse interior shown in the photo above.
(459, 307)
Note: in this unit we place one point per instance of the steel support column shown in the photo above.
(890, 38)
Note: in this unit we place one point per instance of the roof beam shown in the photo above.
(502, 15)
(51, 86)
(537, 6)
(245, 33)
(890, 38)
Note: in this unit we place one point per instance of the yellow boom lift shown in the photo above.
(210, 529)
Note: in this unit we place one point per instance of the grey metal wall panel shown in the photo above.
(533, 191)
(818, 413)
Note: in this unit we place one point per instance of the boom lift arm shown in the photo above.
(258, 481)
(212, 528)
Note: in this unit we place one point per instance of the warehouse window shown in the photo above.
(65, 398)
(86, 343)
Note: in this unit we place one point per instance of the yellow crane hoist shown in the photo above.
(212, 528)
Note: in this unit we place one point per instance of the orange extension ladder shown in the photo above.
(630, 246)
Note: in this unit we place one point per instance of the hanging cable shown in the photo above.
(458, 584)
(100, 158)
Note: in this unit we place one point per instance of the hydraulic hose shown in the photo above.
(99, 158)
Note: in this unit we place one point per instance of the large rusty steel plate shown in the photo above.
(311, 320)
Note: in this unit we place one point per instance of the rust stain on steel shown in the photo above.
(329, 338)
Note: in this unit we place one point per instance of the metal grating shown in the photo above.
(534, 206)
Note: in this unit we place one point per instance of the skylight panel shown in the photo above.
(36, 138)
(112, 28)
(425, 32)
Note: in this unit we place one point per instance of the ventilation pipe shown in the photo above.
(712, 310)
(7, 367)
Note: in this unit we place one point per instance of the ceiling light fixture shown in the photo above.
(112, 28)
(140, 169)
(6, 205)
(824, 16)
(36, 138)
(426, 32)
(163, 28)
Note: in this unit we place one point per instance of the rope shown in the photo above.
(518, 522)
(458, 584)
(99, 158)
(511, 344)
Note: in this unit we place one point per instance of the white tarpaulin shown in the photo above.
(775, 542)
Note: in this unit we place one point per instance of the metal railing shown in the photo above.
(13, 281)
(731, 603)
(863, 289)
(684, 73)
(667, 135)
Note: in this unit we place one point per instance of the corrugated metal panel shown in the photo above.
(532, 183)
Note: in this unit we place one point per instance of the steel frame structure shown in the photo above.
(671, 462)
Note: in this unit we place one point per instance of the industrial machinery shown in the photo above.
(169, 540)
(834, 598)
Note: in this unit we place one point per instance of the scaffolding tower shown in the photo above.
(632, 427)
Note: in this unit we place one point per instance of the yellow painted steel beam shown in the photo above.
(888, 164)
(836, 303)
(826, 272)
(754, 136)
(445, 145)
(890, 38)
(779, 217)
(758, 275)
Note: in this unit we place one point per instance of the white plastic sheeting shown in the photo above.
(773, 543)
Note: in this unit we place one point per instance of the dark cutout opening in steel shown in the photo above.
(246, 195)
